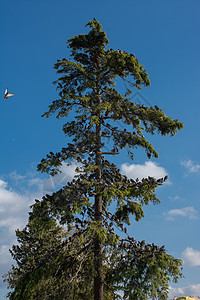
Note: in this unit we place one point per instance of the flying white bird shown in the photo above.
(7, 95)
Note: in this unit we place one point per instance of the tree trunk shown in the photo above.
(98, 279)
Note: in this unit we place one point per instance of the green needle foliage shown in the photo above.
(48, 265)
(103, 264)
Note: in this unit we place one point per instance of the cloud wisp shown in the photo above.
(61, 179)
(187, 212)
(191, 166)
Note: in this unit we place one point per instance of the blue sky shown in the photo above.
(164, 36)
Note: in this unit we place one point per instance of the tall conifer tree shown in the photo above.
(92, 107)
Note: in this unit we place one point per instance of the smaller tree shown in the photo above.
(51, 262)
(35, 255)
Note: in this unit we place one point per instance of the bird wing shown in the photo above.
(6, 91)
(9, 95)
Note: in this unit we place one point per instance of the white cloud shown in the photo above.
(3, 184)
(191, 257)
(173, 292)
(4, 252)
(190, 290)
(191, 166)
(187, 212)
(7, 260)
(143, 171)
(13, 208)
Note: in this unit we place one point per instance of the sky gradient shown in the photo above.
(164, 36)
